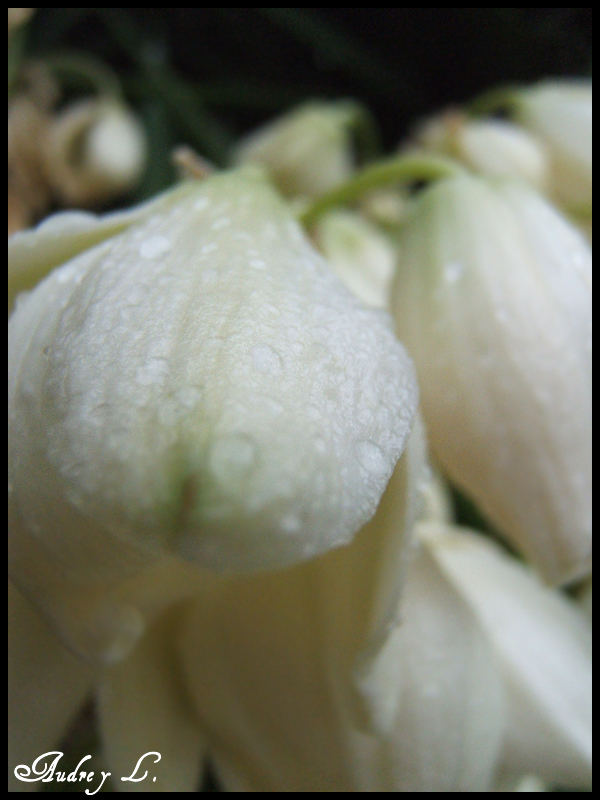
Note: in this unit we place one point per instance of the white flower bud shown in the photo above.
(560, 115)
(359, 253)
(200, 384)
(307, 151)
(493, 147)
(493, 300)
(96, 150)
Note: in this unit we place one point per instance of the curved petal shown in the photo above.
(274, 664)
(543, 643)
(436, 692)
(493, 299)
(47, 686)
(143, 709)
(33, 254)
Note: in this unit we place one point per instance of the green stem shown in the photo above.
(394, 170)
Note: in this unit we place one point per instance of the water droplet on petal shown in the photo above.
(266, 360)
(370, 456)
(154, 247)
(453, 271)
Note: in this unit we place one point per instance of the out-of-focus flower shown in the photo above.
(493, 299)
(18, 17)
(560, 115)
(28, 190)
(497, 148)
(307, 151)
(361, 255)
(543, 648)
(95, 150)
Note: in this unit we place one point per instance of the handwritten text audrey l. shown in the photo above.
(45, 769)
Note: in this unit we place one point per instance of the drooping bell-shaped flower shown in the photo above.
(359, 253)
(559, 113)
(493, 147)
(94, 151)
(493, 299)
(198, 384)
(307, 151)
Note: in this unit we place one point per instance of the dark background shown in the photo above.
(205, 76)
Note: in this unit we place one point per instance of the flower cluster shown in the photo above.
(80, 153)
(233, 415)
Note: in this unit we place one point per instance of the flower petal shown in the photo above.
(143, 708)
(493, 300)
(32, 254)
(273, 663)
(359, 253)
(544, 646)
(47, 686)
(307, 151)
(436, 693)
(560, 114)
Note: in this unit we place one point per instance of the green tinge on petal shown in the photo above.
(144, 709)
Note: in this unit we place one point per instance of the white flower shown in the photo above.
(559, 113)
(307, 151)
(490, 146)
(95, 150)
(359, 253)
(493, 300)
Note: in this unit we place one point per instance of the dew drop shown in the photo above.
(189, 396)
(219, 224)
(290, 524)
(266, 360)
(453, 271)
(154, 247)
(370, 456)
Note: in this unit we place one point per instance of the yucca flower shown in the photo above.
(308, 150)
(559, 114)
(94, 151)
(493, 147)
(493, 299)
